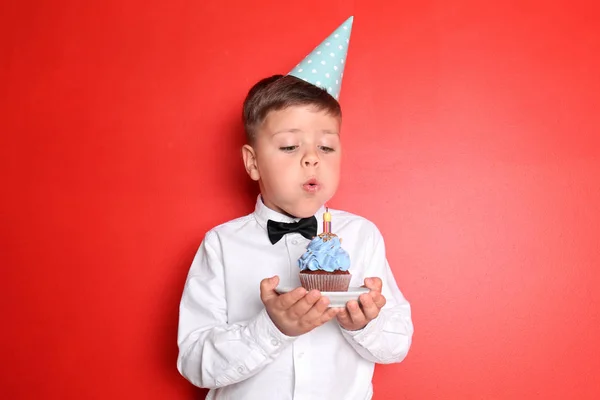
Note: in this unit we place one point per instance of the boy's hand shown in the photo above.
(296, 312)
(355, 317)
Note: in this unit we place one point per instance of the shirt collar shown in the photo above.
(263, 213)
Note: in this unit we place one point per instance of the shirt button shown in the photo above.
(294, 241)
(275, 342)
(241, 369)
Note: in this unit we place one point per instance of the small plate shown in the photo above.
(336, 299)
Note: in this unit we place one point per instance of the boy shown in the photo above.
(237, 335)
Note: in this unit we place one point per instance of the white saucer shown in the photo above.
(337, 299)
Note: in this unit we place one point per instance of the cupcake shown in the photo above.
(324, 266)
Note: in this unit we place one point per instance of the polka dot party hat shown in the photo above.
(324, 67)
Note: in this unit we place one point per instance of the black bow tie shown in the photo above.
(307, 227)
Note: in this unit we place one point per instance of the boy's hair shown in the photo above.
(279, 92)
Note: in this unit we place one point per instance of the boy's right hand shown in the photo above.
(296, 312)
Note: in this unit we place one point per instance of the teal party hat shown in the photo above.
(324, 67)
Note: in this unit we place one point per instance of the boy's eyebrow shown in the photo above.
(294, 130)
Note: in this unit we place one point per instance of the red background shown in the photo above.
(471, 139)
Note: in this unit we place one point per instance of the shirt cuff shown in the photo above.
(267, 335)
(361, 335)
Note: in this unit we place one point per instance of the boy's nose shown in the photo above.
(311, 160)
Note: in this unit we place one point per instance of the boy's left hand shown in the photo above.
(355, 316)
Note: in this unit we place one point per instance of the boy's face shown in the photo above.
(296, 160)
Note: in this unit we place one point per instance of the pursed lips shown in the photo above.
(311, 185)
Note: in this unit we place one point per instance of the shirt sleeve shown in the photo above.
(387, 338)
(212, 352)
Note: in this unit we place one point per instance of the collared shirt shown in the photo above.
(228, 343)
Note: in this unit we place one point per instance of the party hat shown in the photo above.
(324, 66)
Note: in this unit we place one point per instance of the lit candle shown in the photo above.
(326, 221)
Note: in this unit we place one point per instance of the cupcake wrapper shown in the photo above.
(325, 283)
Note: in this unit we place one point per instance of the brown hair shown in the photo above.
(279, 92)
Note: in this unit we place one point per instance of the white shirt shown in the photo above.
(228, 343)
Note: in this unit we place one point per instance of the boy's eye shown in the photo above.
(288, 148)
(326, 149)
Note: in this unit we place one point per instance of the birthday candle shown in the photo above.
(327, 221)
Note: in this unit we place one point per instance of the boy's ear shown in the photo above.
(249, 156)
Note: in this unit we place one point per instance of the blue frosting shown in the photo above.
(324, 255)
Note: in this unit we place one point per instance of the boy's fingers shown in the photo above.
(344, 317)
(317, 310)
(304, 304)
(289, 299)
(267, 288)
(329, 315)
(356, 314)
(369, 307)
(373, 284)
(378, 299)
